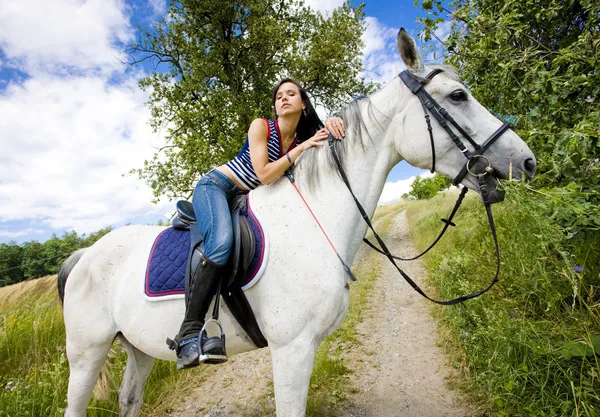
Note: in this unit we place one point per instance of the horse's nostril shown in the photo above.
(530, 167)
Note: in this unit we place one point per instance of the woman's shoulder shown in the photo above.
(260, 127)
(261, 122)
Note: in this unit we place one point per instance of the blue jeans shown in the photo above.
(212, 197)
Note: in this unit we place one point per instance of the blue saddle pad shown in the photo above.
(165, 274)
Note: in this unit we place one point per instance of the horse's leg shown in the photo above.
(85, 362)
(292, 367)
(136, 373)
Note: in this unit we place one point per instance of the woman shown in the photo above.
(270, 149)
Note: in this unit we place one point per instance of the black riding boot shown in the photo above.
(201, 292)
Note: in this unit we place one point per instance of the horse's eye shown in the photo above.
(458, 95)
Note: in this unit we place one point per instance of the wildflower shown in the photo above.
(577, 268)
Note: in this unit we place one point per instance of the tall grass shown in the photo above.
(528, 347)
(33, 366)
(33, 369)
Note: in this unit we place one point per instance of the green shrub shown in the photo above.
(530, 344)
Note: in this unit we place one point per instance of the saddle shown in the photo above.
(236, 268)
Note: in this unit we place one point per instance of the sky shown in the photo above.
(73, 121)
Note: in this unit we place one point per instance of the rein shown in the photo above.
(385, 251)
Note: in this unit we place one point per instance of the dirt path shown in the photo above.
(398, 371)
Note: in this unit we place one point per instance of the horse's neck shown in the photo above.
(367, 169)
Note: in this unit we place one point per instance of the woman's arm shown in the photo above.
(266, 171)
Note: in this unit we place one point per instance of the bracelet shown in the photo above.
(289, 159)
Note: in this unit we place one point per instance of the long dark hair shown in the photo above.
(309, 122)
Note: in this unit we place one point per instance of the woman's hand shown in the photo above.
(316, 139)
(335, 125)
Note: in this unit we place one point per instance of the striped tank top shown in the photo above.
(241, 165)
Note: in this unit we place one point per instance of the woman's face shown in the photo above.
(288, 100)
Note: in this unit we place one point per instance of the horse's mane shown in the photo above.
(316, 162)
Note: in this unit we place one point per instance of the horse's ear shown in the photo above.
(409, 52)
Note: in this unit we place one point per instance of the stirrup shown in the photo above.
(215, 352)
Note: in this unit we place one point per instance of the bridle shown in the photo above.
(445, 120)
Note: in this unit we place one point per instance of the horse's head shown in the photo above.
(479, 128)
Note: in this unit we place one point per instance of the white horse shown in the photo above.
(302, 296)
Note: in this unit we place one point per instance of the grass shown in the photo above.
(528, 347)
(34, 370)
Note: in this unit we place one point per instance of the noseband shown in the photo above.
(444, 119)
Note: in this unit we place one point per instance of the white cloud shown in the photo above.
(25, 232)
(324, 5)
(443, 30)
(63, 35)
(66, 144)
(67, 132)
(159, 7)
(392, 191)
(381, 59)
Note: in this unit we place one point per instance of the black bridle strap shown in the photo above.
(430, 104)
(448, 222)
(430, 130)
(389, 255)
(482, 149)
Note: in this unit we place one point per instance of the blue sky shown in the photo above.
(73, 121)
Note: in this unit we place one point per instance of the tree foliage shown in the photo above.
(34, 259)
(424, 188)
(535, 63)
(215, 64)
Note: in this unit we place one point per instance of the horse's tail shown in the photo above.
(65, 269)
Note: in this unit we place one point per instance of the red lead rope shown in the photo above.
(346, 268)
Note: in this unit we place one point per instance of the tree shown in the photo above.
(11, 257)
(34, 259)
(221, 59)
(34, 262)
(424, 188)
(535, 63)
